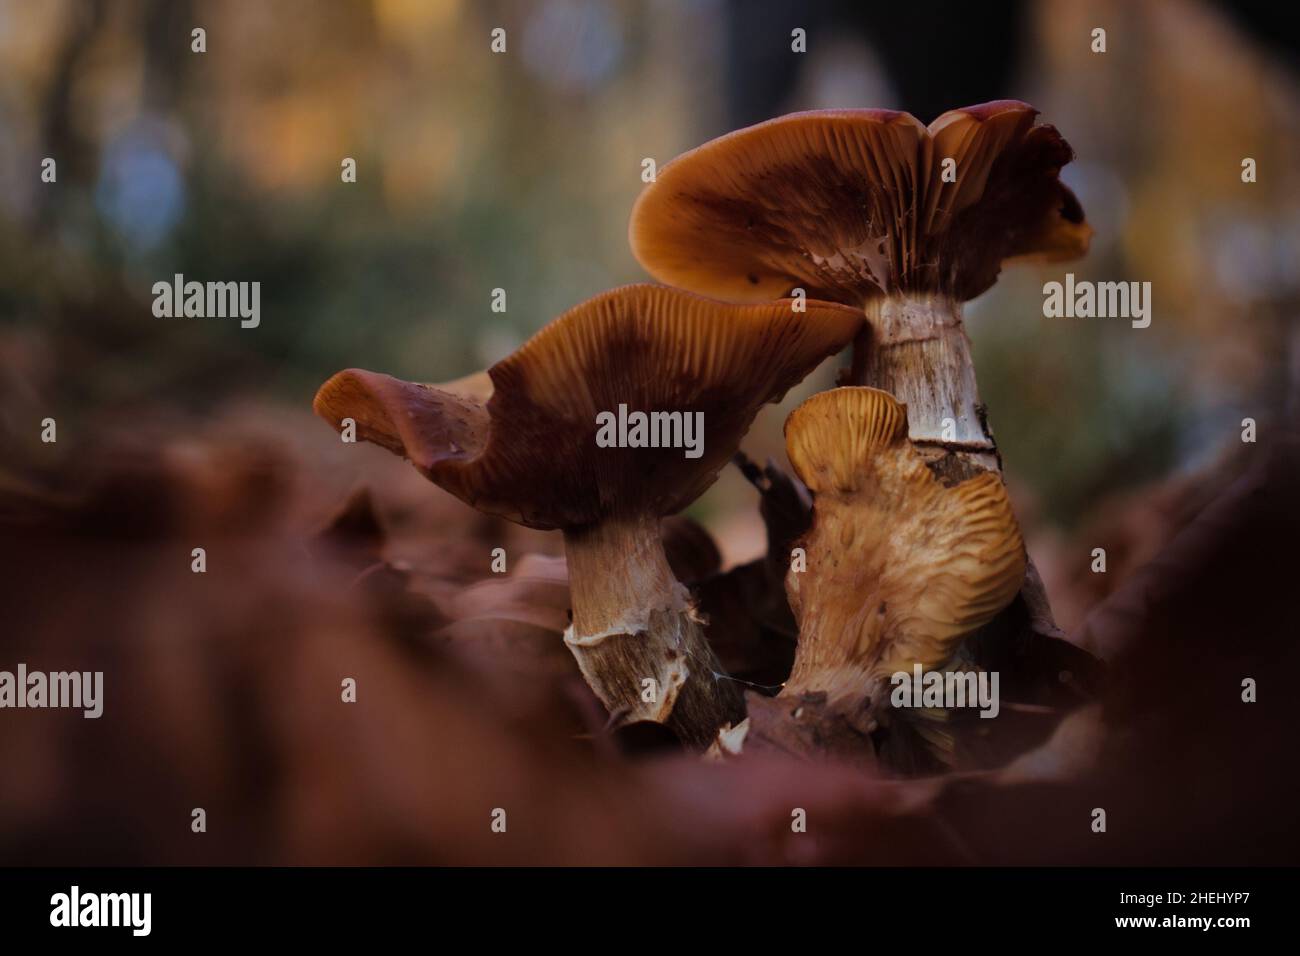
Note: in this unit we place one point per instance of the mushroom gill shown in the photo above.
(899, 567)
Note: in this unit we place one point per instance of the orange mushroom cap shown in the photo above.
(529, 452)
(899, 566)
(852, 204)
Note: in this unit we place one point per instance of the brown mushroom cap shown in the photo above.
(850, 204)
(899, 567)
(529, 453)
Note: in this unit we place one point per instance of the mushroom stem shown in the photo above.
(632, 623)
(921, 355)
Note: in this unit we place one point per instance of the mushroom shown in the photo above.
(856, 206)
(531, 453)
(899, 568)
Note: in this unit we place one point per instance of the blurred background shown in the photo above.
(478, 171)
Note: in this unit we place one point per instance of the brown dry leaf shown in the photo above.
(223, 691)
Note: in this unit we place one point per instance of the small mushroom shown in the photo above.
(530, 453)
(899, 566)
(873, 209)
